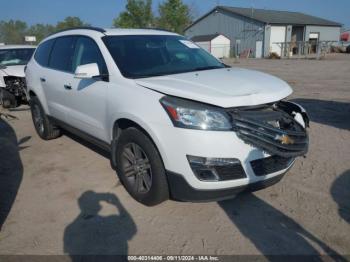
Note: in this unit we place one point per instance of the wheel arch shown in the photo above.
(126, 122)
(41, 96)
(31, 93)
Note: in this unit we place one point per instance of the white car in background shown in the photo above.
(13, 59)
(177, 122)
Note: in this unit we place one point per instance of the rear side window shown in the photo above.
(87, 52)
(62, 54)
(42, 53)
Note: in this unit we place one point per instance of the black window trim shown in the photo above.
(104, 77)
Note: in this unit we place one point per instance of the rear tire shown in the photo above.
(140, 168)
(43, 126)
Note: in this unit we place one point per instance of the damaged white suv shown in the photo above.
(179, 124)
(13, 59)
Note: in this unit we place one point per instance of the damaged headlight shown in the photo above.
(194, 115)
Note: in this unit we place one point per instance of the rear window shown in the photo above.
(42, 53)
(62, 54)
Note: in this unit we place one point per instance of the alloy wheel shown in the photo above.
(38, 119)
(137, 168)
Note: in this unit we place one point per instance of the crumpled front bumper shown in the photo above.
(176, 144)
(180, 190)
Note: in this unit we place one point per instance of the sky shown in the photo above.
(101, 13)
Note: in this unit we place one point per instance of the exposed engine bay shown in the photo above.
(278, 128)
(13, 94)
(13, 60)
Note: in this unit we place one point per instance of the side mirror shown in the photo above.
(87, 71)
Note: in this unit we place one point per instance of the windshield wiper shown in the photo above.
(207, 68)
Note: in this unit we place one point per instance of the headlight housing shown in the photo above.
(194, 115)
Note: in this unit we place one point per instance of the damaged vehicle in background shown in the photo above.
(13, 59)
(177, 122)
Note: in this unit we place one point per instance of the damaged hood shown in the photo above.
(226, 87)
(17, 70)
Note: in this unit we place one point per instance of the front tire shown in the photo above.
(43, 126)
(7, 99)
(140, 168)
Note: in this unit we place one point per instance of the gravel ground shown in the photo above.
(66, 199)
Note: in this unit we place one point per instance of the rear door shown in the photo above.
(87, 97)
(59, 75)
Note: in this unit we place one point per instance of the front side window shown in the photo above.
(87, 52)
(42, 53)
(62, 54)
(18, 56)
(139, 56)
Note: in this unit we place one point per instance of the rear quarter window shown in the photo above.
(42, 53)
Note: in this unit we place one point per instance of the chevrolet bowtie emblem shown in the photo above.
(285, 140)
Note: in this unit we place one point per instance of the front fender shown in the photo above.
(150, 127)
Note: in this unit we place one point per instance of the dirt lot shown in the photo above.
(65, 197)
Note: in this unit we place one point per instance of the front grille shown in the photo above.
(270, 129)
(269, 165)
(230, 172)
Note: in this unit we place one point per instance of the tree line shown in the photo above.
(173, 15)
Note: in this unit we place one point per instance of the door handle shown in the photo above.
(68, 87)
(43, 80)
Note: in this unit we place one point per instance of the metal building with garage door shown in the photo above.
(260, 30)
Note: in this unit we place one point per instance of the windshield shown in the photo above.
(10, 57)
(139, 56)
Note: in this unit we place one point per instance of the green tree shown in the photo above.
(12, 31)
(70, 22)
(138, 14)
(174, 15)
(40, 31)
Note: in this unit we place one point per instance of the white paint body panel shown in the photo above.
(231, 87)
(93, 107)
(17, 70)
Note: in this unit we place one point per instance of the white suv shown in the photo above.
(177, 121)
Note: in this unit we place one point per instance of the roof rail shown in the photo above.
(158, 29)
(98, 29)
